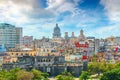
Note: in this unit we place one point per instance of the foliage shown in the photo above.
(117, 65)
(84, 76)
(65, 76)
(24, 75)
(4, 75)
(111, 75)
(18, 74)
(8, 75)
(95, 68)
(38, 75)
(99, 67)
(114, 74)
(45, 75)
(13, 73)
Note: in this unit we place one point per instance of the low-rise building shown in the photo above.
(53, 65)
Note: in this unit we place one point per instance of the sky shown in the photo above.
(98, 18)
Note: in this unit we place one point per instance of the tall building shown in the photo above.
(10, 35)
(117, 40)
(91, 42)
(97, 45)
(56, 33)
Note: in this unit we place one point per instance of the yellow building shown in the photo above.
(14, 53)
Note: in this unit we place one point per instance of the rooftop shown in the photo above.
(6, 25)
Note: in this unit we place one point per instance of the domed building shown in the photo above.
(56, 33)
(81, 37)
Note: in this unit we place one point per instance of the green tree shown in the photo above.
(38, 75)
(24, 75)
(111, 75)
(99, 67)
(95, 68)
(84, 75)
(5, 75)
(65, 76)
(9, 75)
(13, 73)
(18, 74)
(117, 65)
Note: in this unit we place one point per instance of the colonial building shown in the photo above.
(53, 65)
(17, 52)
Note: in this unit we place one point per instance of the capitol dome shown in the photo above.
(56, 33)
(56, 28)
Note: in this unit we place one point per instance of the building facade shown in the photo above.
(10, 35)
(53, 65)
(27, 41)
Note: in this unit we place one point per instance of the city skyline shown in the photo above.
(99, 18)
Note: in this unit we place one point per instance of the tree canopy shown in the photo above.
(111, 75)
(84, 75)
(21, 74)
(65, 76)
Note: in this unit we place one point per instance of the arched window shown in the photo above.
(38, 60)
(38, 65)
(44, 60)
(17, 54)
(22, 54)
(48, 60)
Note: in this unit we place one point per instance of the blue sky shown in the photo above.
(99, 18)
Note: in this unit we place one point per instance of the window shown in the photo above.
(43, 60)
(17, 54)
(48, 60)
(38, 60)
(22, 54)
(38, 65)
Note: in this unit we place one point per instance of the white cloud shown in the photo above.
(60, 6)
(15, 11)
(35, 19)
(55, 3)
(106, 31)
(112, 8)
(12, 13)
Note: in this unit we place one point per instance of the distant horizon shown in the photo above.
(63, 34)
(98, 18)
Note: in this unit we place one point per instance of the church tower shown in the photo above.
(81, 36)
(56, 33)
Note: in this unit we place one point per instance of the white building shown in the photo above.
(97, 45)
(10, 35)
